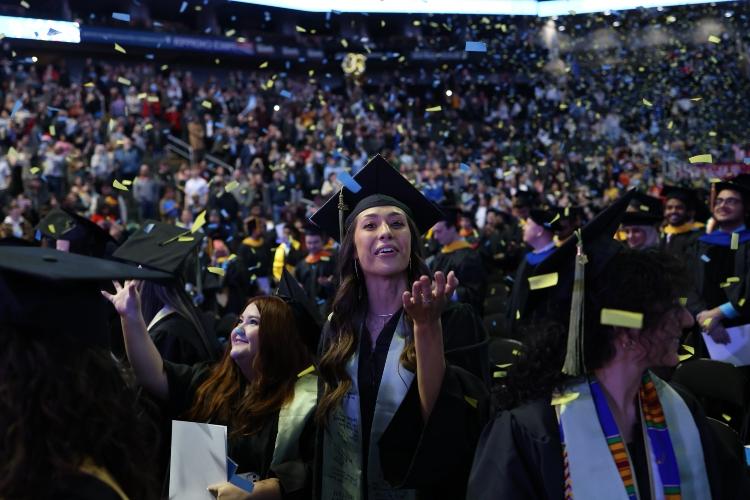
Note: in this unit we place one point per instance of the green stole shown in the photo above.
(342, 476)
(592, 469)
(292, 418)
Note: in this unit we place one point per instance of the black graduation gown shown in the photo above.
(83, 487)
(307, 274)
(681, 245)
(252, 453)
(519, 456)
(433, 457)
(466, 263)
(178, 341)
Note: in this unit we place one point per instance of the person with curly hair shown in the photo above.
(606, 422)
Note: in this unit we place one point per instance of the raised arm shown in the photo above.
(142, 353)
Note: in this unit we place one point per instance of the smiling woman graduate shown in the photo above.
(396, 420)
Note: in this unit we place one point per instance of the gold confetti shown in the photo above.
(51, 130)
(127, 182)
(119, 48)
(515, 352)
(625, 319)
(741, 302)
(148, 127)
(499, 374)
(34, 170)
(216, 270)
(231, 186)
(51, 228)
(734, 245)
(123, 80)
(230, 32)
(199, 222)
(153, 98)
(683, 301)
(473, 402)
(646, 102)
(306, 371)
(726, 417)
(696, 99)
(670, 125)
(88, 84)
(119, 185)
(164, 67)
(142, 95)
(566, 398)
(344, 43)
(733, 279)
(264, 64)
(25, 4)
(300, 29)
(714, 39)
(207, 104)
(705, 158)
(518, 314)
(706, 322)
(644, 208)
(542, 281)
(434, 109)
(217, 61)
(688, 348)
(184, 239)
(683, 357)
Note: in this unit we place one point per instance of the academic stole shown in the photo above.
(292, 418)
(596, 460)
(342, 443)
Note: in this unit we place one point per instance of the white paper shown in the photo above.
(736, 352)
(198, 459)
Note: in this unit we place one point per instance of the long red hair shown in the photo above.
(226, 397)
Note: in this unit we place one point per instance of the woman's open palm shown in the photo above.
(126, 299)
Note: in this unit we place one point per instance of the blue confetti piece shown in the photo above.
(286, 94)
(38, 235)
(476, 47)
(705, 258)
(148, 228)
(349, 182)
(746, 161)
(16, 106)
(224, 213)
(183, 7)
(150, 56)
(464, 167)
(121, 16)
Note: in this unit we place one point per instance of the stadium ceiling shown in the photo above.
(540, 8)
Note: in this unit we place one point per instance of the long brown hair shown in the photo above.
(349, 306)
(228, 398)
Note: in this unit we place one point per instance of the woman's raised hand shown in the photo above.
(126, 299)
(425, 303)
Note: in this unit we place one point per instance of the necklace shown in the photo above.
(383, 315)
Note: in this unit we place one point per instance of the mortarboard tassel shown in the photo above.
(574, 363)
(342, 208)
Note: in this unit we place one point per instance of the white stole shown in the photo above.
(591, 466)
(342, 443)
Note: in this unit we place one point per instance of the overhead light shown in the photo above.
(449, 92)
(276, 107)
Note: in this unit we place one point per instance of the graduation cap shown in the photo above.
(48, 292)
(377, 184)
(85, 236)
(525, 199)
(640, 219)
(740, 183)
(583, 256)
(645, 204)
(306, 313)
(548, 219)
(159, 246)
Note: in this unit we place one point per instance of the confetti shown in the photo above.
(185, 239)
(566, 398)
(688, 348)
(264, 64)
(153, 98)
(300, 29)
(625, 319)
(734, 245)
(705, 258)
(51, 228)
(475, 47)
(714, 39)
(434, 109)
(127, 182)
(119, 185)
(142, 95)
(199, 222)
(16, 106)
(25, 4)
(34, 170)
(683, 301)
(121, 16)
(216, 270)
(231, 186)
(119, 48)
(164, 67)
(306, 371)
(499, 374)
(726, 417)
(349, 182)
(52, 130)
(741, 302)
(705, 158)
(543, 281)
(206, 104)
(123, 81)
(473, 402)
(230, 32)
(88, 84)
(183, 7)
(647, 103)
